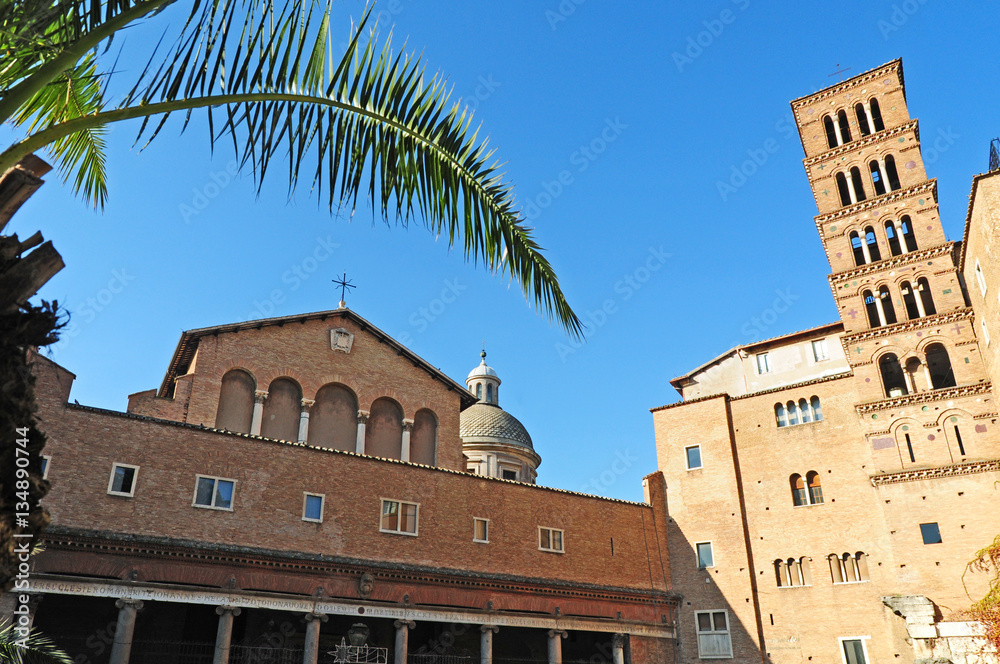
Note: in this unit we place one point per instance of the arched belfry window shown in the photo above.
(939, 367)
(871, 308)
(858, 183)
(843, 189)
(887, 307)
(892, 177)
(893, 380)
(235, 411)
(845, 126)
(878, 178)
(909, 242)
(479, 391)
(924, 296)
(489, 392)
(831, 133)
(856, 248)
(893, 238)
(859, 111)
(876, 114)
(871, 241)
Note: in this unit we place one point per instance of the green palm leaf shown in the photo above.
(36, 649)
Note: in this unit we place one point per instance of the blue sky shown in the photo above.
(621, 124)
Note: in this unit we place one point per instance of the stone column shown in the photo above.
(864, 247)
(850, 187)
(884, 174)
(908, 377)
(879, 308)
(225, 634)
(868, 114)
(927, 375)
(362, 421)
(486, 643)
(921, 312)
(304, 420)
(836, 129)
(405, 451)
(403, 628)
(898, 226)
(310, 653)
(555, 645)
(618, 649)
(258, 411)
(121, 650)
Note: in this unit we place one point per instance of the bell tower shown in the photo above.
(908, 328)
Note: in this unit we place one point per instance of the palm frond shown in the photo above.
(36, 649)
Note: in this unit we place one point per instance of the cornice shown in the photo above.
(895, 67)
(795, 386)
(907, 326)
(162, 549)
(945, 394)
(955, 470)
(893, 262)
(878, 201)
(863, 142)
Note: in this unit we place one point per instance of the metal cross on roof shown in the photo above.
(344, 284)
(840, 71)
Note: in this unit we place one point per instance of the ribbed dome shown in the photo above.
(485, 422)
(482, 370)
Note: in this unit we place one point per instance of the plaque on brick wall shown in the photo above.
(341, 339)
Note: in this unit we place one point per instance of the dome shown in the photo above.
(487, 423)
(483, 370)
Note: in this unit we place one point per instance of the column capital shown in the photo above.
(399, 624)
(363, 416)
(489, 628)
(317, 617)
(553, 633)
(307, 404)
(235, 610)
(129, 602)
(259, 396)
(407, 425)
(618, 640)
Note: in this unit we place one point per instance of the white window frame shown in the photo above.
(981, 278)
(48, 464)
(823, 347)
(135, 480)
(728, 632)
(767, 363)
(562, 539)
(475, 522)
(322, 506)
(986, 333)
(864, 647)
(701, 460)
(697, 558)
(400, 503)
(513, 469)
(215, 492)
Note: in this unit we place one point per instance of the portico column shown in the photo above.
(486, 643)
(258, 411)
(304, 420)
(407, 428)
(403, 628)
(618, 649)
(555, 645)
(225, 634)
(122, 647)
(362, 420)
(868, 114)
(910, 385)
(310, 652)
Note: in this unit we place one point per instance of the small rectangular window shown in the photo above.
(550, 539)
(480, 530)
(508, 474)
(980, 278)
(473, 468)
(312, 507)
(214, 492)
(122, 482)
(705, 556)
(714, 641)
(399, 517)
(819, 350)
(763, 364)
(931, 533)
(854, 650)
(693, 456)
(45, 466)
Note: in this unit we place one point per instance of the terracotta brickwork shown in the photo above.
(982, 248)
